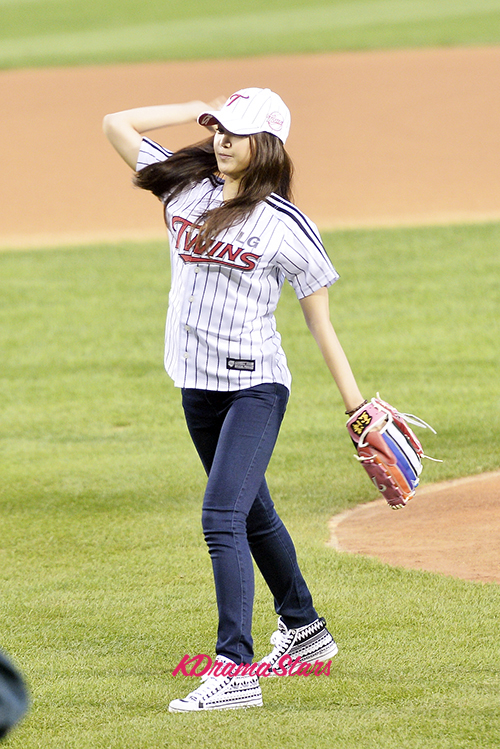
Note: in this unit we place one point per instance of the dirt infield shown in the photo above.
(452, 528)
(378, 138)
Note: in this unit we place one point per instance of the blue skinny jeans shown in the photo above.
(235, 434)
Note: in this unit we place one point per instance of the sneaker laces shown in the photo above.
(281, 639)
(210, 685)
(211, 682)
(276, 637)
(284, 637)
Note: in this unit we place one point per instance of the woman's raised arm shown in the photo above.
(124, 129)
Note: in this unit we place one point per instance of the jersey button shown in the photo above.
(186, 355)
(191, 299)
(186, 327)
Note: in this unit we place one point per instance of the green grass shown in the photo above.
(62, 32)
(106, 582)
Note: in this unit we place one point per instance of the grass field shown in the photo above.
(106, 581)
(68, 32)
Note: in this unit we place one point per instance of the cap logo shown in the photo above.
(234, 97)
(206, 119)
(275, 121)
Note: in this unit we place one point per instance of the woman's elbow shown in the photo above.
(109, 125)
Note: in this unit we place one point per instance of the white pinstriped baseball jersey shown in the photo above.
(221, 331)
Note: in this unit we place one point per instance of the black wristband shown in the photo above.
(350, 413)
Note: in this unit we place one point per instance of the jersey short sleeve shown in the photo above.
(302, 256)
(151, 153)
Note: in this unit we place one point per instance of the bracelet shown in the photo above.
(350, 413)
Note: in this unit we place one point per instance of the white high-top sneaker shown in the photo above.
(310, 643)
(221, 693)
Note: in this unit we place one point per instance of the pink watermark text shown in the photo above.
(203, 665)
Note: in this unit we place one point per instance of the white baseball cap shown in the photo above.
(250, 111)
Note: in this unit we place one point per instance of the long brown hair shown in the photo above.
(270, 170)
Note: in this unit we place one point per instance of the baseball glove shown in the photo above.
(388, 449)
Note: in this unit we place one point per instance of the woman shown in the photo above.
(234, 237)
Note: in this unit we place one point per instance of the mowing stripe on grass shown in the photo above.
(201, 36)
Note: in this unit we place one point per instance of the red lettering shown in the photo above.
(181, 667)
(243, 669)
(217, 668)
(248, 260)
(190, 238)
(286, 667)
(186, 661)
(303, 669)
(295, 663)
(214, 249)
(197, 660)
(184, 225)
(326, 671)
(317, 667)
(234, 97)
(225, 254)
(230, 669)
(190, 244)
(283, 662)
(264, 669)
(221, 668)
(228, 250)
